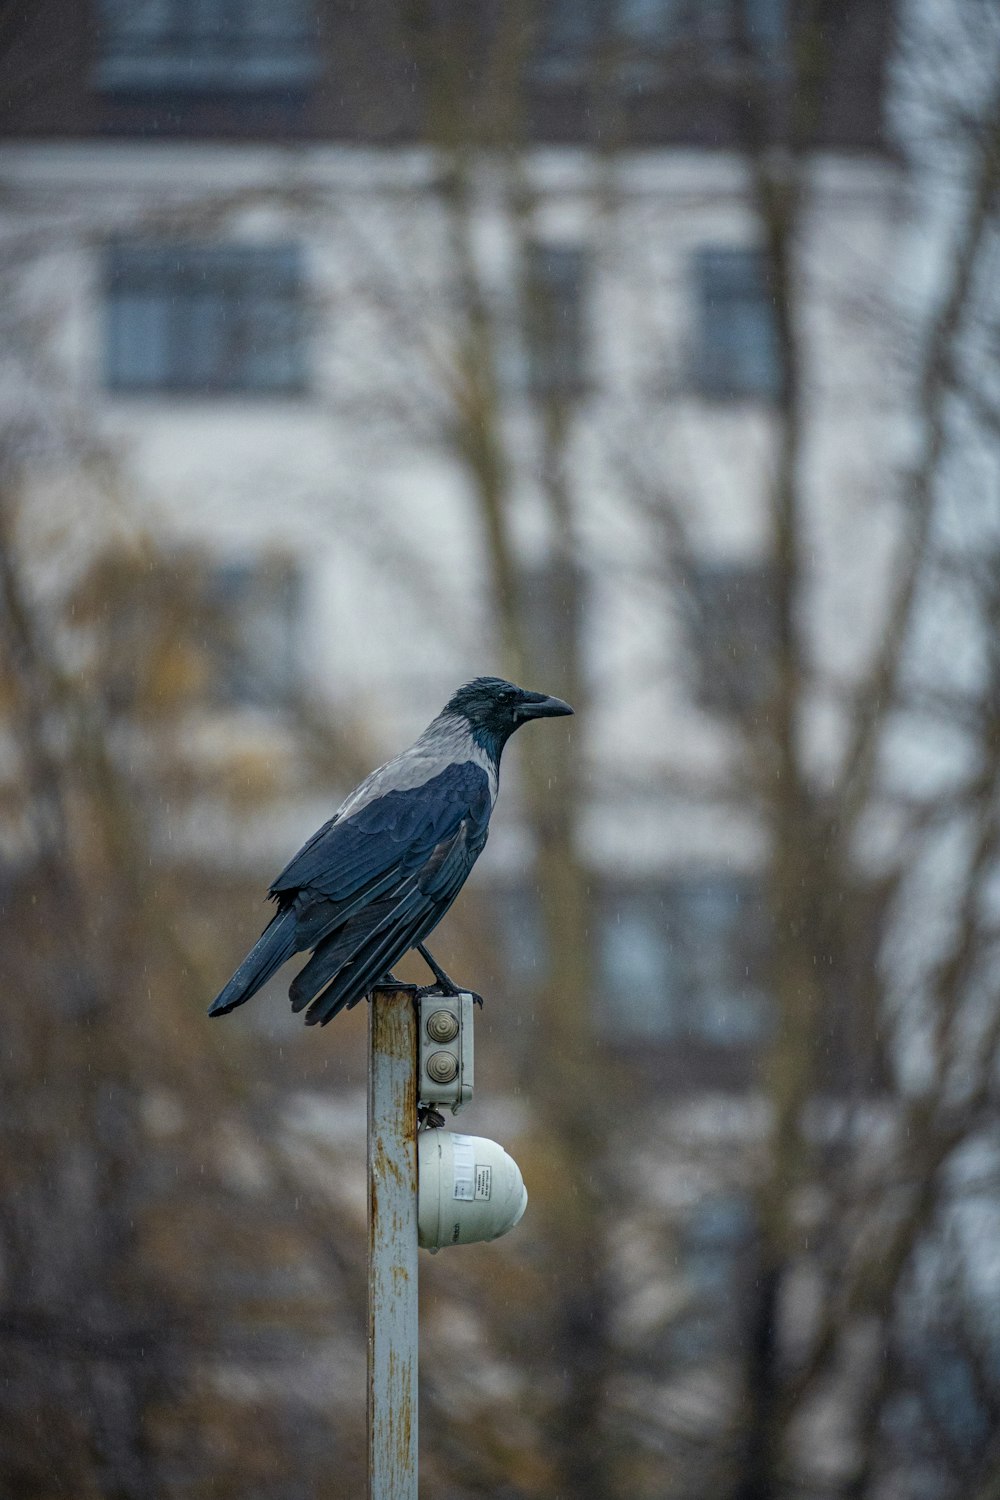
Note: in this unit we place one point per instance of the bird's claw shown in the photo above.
(423, 990)
(449, 993)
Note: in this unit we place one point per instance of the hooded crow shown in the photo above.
(376, 879)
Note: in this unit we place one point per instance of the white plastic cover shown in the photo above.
(469, 1189)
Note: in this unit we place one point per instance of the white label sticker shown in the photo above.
(484, 1180)
(464, 1168)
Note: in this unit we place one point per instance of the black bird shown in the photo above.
(376, 879)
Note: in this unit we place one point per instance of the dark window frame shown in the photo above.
(255, 607)
(716, 1243)
(204, 320)
(645, 40)
(737, 355)
(230, 626)
(732, 629)
(199, 46)
(712, 994)
(556, 277)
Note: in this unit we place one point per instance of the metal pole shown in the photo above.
(392, 1245)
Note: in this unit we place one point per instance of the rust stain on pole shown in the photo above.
(392, 1246)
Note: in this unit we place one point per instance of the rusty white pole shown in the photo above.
(392, 1245)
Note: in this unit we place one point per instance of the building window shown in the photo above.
(735, 31)
(253, 612)
(737, 355)
(205, 320)
(523, 934)
(555, 331)
(641, 37)
(567, 36)
(193, 45)
(178, 630)
(733, 636)
(554, 607)
(640, 971)
(716, 1244)
(685, 962)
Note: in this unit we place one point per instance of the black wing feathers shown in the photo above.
(368, 886)
(397, 827)
(360, 954)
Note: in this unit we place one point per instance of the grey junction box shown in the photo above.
(445, 1050)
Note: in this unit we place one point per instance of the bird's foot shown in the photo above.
(450, 990)
(444, 984)
(429, 1118)
(448, 985)
(390, 982)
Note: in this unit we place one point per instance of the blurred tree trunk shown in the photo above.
(814, 882)
(567, 1080)
(566, 1084)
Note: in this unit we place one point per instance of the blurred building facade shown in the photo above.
(270, 250)
(248, 268)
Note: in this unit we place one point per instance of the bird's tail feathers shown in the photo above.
(342, 948)
(276, 944)
(370, 962)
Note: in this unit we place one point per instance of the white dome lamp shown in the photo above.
(469, 1189)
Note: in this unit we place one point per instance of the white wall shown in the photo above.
(354, 480)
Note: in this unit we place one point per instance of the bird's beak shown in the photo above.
(538, 706)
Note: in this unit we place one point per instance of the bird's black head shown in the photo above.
(495, 708)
